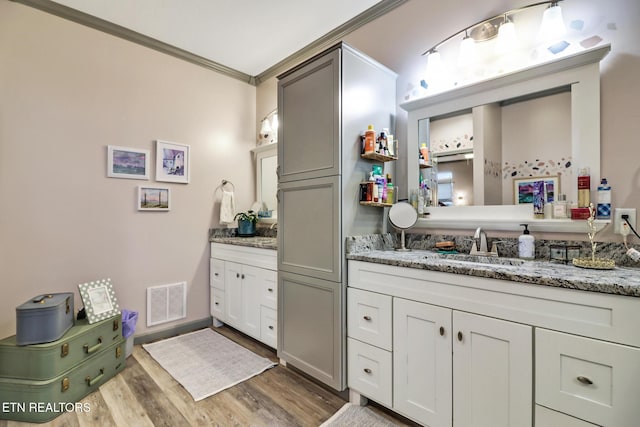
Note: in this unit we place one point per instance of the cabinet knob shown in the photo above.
(237, 275)
(270, 289)
(217, 303)
(459, 335)
(216, 274)
(242, 276)
(584, 380)
(271, 327)
(367, 318)
(441, 331)
(367, 370)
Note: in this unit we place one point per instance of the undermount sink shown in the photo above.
(482, 259)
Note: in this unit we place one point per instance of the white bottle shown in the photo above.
(526, 244)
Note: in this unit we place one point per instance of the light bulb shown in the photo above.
(274, 122)
(467, 53)
(552, 26)
(266, 127)
(507, 40)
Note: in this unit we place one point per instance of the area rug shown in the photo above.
(356, 415)
(205, 362)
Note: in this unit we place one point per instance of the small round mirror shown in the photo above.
(402, 216)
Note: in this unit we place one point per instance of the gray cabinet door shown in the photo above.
(310, 315)
(309, 232)
(309, 117)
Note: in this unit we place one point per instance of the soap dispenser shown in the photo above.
(526, 244)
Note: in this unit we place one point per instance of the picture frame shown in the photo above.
(99, 299)
(154, 198)
(523, 188)
(129, 163)
(172, 162)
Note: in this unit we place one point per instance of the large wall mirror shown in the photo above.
(540, 121)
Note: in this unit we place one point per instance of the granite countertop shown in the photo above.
(254, 242)
(620, 281)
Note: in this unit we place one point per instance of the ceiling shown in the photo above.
(244, 38)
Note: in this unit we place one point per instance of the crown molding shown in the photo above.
(330, 38)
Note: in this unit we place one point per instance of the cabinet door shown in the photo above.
(492, 372)
(253, 280)
(233, 293)
(422, 362)
(309, 117)
(309, 236)
(310, 319)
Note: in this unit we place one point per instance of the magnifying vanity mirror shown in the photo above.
(543, 120)
(266, 157)
(402, 215)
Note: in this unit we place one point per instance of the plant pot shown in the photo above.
(246, 228)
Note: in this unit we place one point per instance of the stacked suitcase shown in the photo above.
(38, 382)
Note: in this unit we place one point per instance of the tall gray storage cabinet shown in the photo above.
(324, 105)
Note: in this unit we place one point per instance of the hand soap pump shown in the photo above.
(526, 244)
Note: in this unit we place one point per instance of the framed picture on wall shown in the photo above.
(154, 198)
(124, 162)
(99, 300)
(524, 189)
(172, 162)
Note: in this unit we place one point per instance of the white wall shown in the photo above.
(68, 91)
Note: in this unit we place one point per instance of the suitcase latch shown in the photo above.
(68, 306)
(118, 352)
(116, 324)
(64, 349)
(65, 384)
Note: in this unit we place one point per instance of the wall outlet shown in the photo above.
(618, 221)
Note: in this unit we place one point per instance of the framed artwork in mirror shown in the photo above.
(525, 189)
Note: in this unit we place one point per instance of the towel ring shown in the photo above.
(225, 182)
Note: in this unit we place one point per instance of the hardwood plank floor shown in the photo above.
(144, 394)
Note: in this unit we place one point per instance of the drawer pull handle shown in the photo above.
(459, 335)
(367, 318)
(584, 380)
(270, 289)
(441, 331)
(367, 370)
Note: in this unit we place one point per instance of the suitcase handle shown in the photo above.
(41, 298)
(95, 379)
(93, 349)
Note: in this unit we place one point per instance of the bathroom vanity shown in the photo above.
(445, 341)
(244, 287)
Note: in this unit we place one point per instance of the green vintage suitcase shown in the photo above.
(46, 361)
(41, 401)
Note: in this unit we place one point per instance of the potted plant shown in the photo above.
(246, 223)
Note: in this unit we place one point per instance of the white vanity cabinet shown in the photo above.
(475, 351)
(244, 290)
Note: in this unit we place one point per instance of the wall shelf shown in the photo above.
(378, 157)
(376, 204)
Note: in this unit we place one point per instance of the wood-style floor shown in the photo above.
(144, 394)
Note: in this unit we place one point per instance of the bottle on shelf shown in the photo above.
(390, 189)
(584, 188)
(604, 200)
(425, 152)
(370, 140)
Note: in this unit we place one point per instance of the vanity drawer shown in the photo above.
(546, 417)
(592, 380)
(216, 273)
(269, 290)
(269, 326)
(369, 317)
(217, 304)
(370, 371)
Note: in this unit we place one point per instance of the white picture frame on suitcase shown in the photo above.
(99, 299)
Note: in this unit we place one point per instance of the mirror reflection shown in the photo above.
(477, 153)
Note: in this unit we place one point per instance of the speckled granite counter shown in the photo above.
(264, 238)
(620, 281)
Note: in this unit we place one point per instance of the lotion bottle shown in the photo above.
(526, 244)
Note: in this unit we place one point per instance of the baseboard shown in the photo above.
(182, 328)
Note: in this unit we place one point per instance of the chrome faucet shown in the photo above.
(480, 246)
(479, 242)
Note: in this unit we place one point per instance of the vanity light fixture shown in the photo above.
(467, 54)
(552, 26)
(507, 40)
(269, 127)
